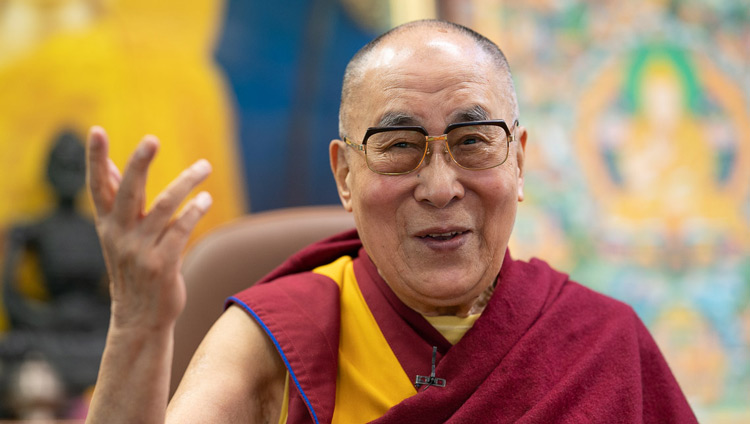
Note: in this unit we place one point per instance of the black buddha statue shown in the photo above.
(68, 328)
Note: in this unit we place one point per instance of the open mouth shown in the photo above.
(443, 236)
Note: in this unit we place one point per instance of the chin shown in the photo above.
(446, 291)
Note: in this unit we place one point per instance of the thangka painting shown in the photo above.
(638, 176)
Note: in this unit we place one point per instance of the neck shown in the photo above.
(463, 310)
(472, 308)
(66, 203)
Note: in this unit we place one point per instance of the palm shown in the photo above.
(143, 248)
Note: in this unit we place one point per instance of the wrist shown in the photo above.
(136, 334)
(131, 322)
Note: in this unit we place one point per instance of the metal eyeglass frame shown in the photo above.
(510, 136)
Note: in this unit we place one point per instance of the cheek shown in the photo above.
(382, 193)
(370, 196)
(499, 200)
(378, 202)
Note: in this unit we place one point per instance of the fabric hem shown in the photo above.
(265, 328)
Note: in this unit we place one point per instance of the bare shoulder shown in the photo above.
(236, 375)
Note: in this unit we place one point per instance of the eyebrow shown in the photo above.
(400, 119)
(396, 119)
(475, 113)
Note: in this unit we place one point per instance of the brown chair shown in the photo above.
(235, 256)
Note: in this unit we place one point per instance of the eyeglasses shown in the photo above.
(472, 145)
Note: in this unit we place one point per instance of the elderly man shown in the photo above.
(418, 316)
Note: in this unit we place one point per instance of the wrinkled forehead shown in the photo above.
(431, 79)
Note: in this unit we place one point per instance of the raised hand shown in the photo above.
(143, 249)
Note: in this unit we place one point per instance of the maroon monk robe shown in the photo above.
(300, 313)
(544, 350)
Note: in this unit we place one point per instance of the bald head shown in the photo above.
(413, 34)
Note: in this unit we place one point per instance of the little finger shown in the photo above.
(175, 236)
(167, 202)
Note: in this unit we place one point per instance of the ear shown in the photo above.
(340, 168)
(520, 152)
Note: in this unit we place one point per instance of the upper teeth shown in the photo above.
(452, 233)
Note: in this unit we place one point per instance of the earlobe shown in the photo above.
(520, 156)
(340, 168)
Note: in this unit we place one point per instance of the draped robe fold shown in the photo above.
(545, 349)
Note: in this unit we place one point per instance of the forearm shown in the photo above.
(133, 383)
(142, 251)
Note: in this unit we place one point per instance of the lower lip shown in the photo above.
(445, 245)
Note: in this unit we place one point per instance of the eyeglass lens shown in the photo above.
(472, 147)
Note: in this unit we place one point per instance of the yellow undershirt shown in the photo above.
(452, 327)
(370, 379)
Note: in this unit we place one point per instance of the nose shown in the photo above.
(438, 177)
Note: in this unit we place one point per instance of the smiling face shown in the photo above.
(437, 235)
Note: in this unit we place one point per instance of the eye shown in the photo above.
(472, 140)
(405, 142)
(396, 141)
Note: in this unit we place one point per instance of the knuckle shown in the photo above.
(128, 252)
(139, 161)
(186, 173)
(183, 225)
(127, 194)
(102, 225)
(165, 202)
(106, 230)
(194, 174)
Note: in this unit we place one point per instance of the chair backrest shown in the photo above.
(235, 256)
